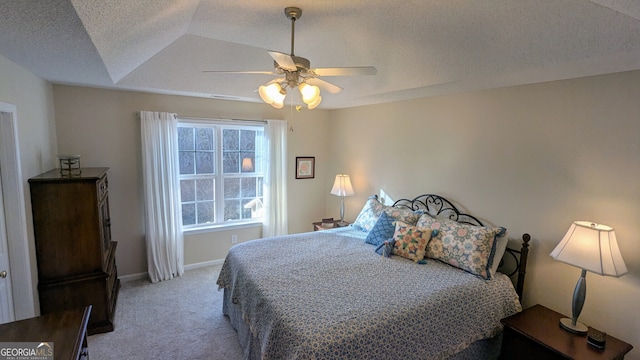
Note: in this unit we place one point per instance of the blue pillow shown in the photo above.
(382, 230)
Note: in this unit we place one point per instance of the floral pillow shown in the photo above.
(470, 248)
(410, 241)
(369, 214)
(372, 209)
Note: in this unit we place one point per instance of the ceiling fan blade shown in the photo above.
(346, 71)
(240, 72)
(284, 60)
(324, 85)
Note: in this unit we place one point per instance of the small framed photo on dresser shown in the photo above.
(305, 167)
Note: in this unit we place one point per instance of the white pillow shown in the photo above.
(500, 247)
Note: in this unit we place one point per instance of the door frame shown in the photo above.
(15, 214)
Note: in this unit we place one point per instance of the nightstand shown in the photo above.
(535, 333)
(333, 224)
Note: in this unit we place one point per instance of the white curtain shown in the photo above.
(275, 197)
(163, 220)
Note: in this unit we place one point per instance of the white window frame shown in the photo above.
(219, 126)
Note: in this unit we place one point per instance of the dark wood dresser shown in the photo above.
(66, 330)
(75, 253)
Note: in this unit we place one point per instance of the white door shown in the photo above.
(16, 289)
(6, 298)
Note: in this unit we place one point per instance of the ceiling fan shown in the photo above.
(295, 71)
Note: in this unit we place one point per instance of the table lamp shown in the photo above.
(342, 187)
(590, 247)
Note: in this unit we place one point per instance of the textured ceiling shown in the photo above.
(420, 47)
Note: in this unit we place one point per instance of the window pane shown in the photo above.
(231, 162)
(252, 208)
(248, 186)
(205, 190)
(231, 139)
(231, 210)
(231, 188)
(260, 187)
(185, 138)
(204, 139)
(247, 210)
(247, 140)
(204, 162)
(187, 190)
(186, 162)
(205, 212)
(188, 214)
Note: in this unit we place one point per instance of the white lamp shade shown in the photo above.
(278, 104)
(315, 104)
(272, 94)
(342, 186)
(592, 247)
(310, 93)
(247, 164)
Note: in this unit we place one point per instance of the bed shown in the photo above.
(332, 295)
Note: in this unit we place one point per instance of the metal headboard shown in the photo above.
(513, 262)
(438, 206)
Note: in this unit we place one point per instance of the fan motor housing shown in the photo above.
(302, 64)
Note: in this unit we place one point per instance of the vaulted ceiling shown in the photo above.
(419, 47)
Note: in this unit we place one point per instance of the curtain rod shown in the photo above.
(218, 119)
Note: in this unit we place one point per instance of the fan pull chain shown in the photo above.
(291, 114)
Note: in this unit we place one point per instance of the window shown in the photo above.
(221, 173)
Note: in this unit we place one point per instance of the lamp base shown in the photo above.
(578, 328)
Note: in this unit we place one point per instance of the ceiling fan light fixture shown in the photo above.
(272, 93)
(310, 93)
(315, 103)
(295, 71)
(278, 104)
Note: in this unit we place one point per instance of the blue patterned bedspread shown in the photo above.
(328, 295)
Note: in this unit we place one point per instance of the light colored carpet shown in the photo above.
(176, 319)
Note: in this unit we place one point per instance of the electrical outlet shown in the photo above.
(234, 239)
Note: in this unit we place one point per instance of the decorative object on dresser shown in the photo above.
(342, 187)
(326, 224)
(75, 253)
(590, 247)
(534, 334)
(69, 165)
(65, 331)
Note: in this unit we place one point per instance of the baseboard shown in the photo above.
(141, 276)
(203, 264)
(132, 277)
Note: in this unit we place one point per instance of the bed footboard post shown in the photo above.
(524, 253)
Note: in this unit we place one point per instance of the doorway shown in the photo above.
(15, 224)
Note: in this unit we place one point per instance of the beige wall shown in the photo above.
(33, 99)
(530, 158)
(103, 126)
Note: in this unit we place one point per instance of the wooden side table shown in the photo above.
(334, 224)
(67, 331)
(535, 333)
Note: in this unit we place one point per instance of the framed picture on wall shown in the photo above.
(305, 167)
